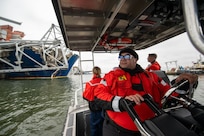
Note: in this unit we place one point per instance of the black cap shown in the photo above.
(153, 55)
(129, 50)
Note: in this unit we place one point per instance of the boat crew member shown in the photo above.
(129, 81)
(154, 65)
(96, 116)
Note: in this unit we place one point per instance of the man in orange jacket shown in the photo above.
(129, 81)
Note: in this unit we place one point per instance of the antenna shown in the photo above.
(9, 20)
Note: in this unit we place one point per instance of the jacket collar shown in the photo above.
(138, 69)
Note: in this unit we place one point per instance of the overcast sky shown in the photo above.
(38, 15)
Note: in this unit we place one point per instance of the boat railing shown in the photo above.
(76, 96)
(75, 101)
(193, 26)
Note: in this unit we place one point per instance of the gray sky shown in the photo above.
(38, 15)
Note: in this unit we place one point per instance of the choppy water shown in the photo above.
(39, 107)
(35, 107)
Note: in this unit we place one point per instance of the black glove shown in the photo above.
(122, 104)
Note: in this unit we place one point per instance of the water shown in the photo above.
(39, 107)
(35, 107)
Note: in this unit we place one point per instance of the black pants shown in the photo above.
(110, 130)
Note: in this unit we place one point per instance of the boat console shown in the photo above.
(184, 118)
(164, 124)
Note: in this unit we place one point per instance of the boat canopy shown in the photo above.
(106, 25)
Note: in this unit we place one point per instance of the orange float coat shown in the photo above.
(88, 93)
(117, 84)
(153, 66)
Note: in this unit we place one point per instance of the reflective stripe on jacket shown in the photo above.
(117, 84)
(88, 93)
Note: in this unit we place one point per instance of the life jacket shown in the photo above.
(154, 66)
(121, 83)
(88, 93)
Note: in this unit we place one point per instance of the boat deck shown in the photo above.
(78, 121)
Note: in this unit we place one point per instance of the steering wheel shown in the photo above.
(171, 90)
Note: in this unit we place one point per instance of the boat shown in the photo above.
(196, 68)
(96, 26)
(47, 58)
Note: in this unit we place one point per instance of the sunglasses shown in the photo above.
(126, 57)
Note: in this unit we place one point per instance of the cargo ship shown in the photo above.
(31, 59)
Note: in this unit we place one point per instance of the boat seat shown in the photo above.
(185, 116)
(162, 74)
(166, 125)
